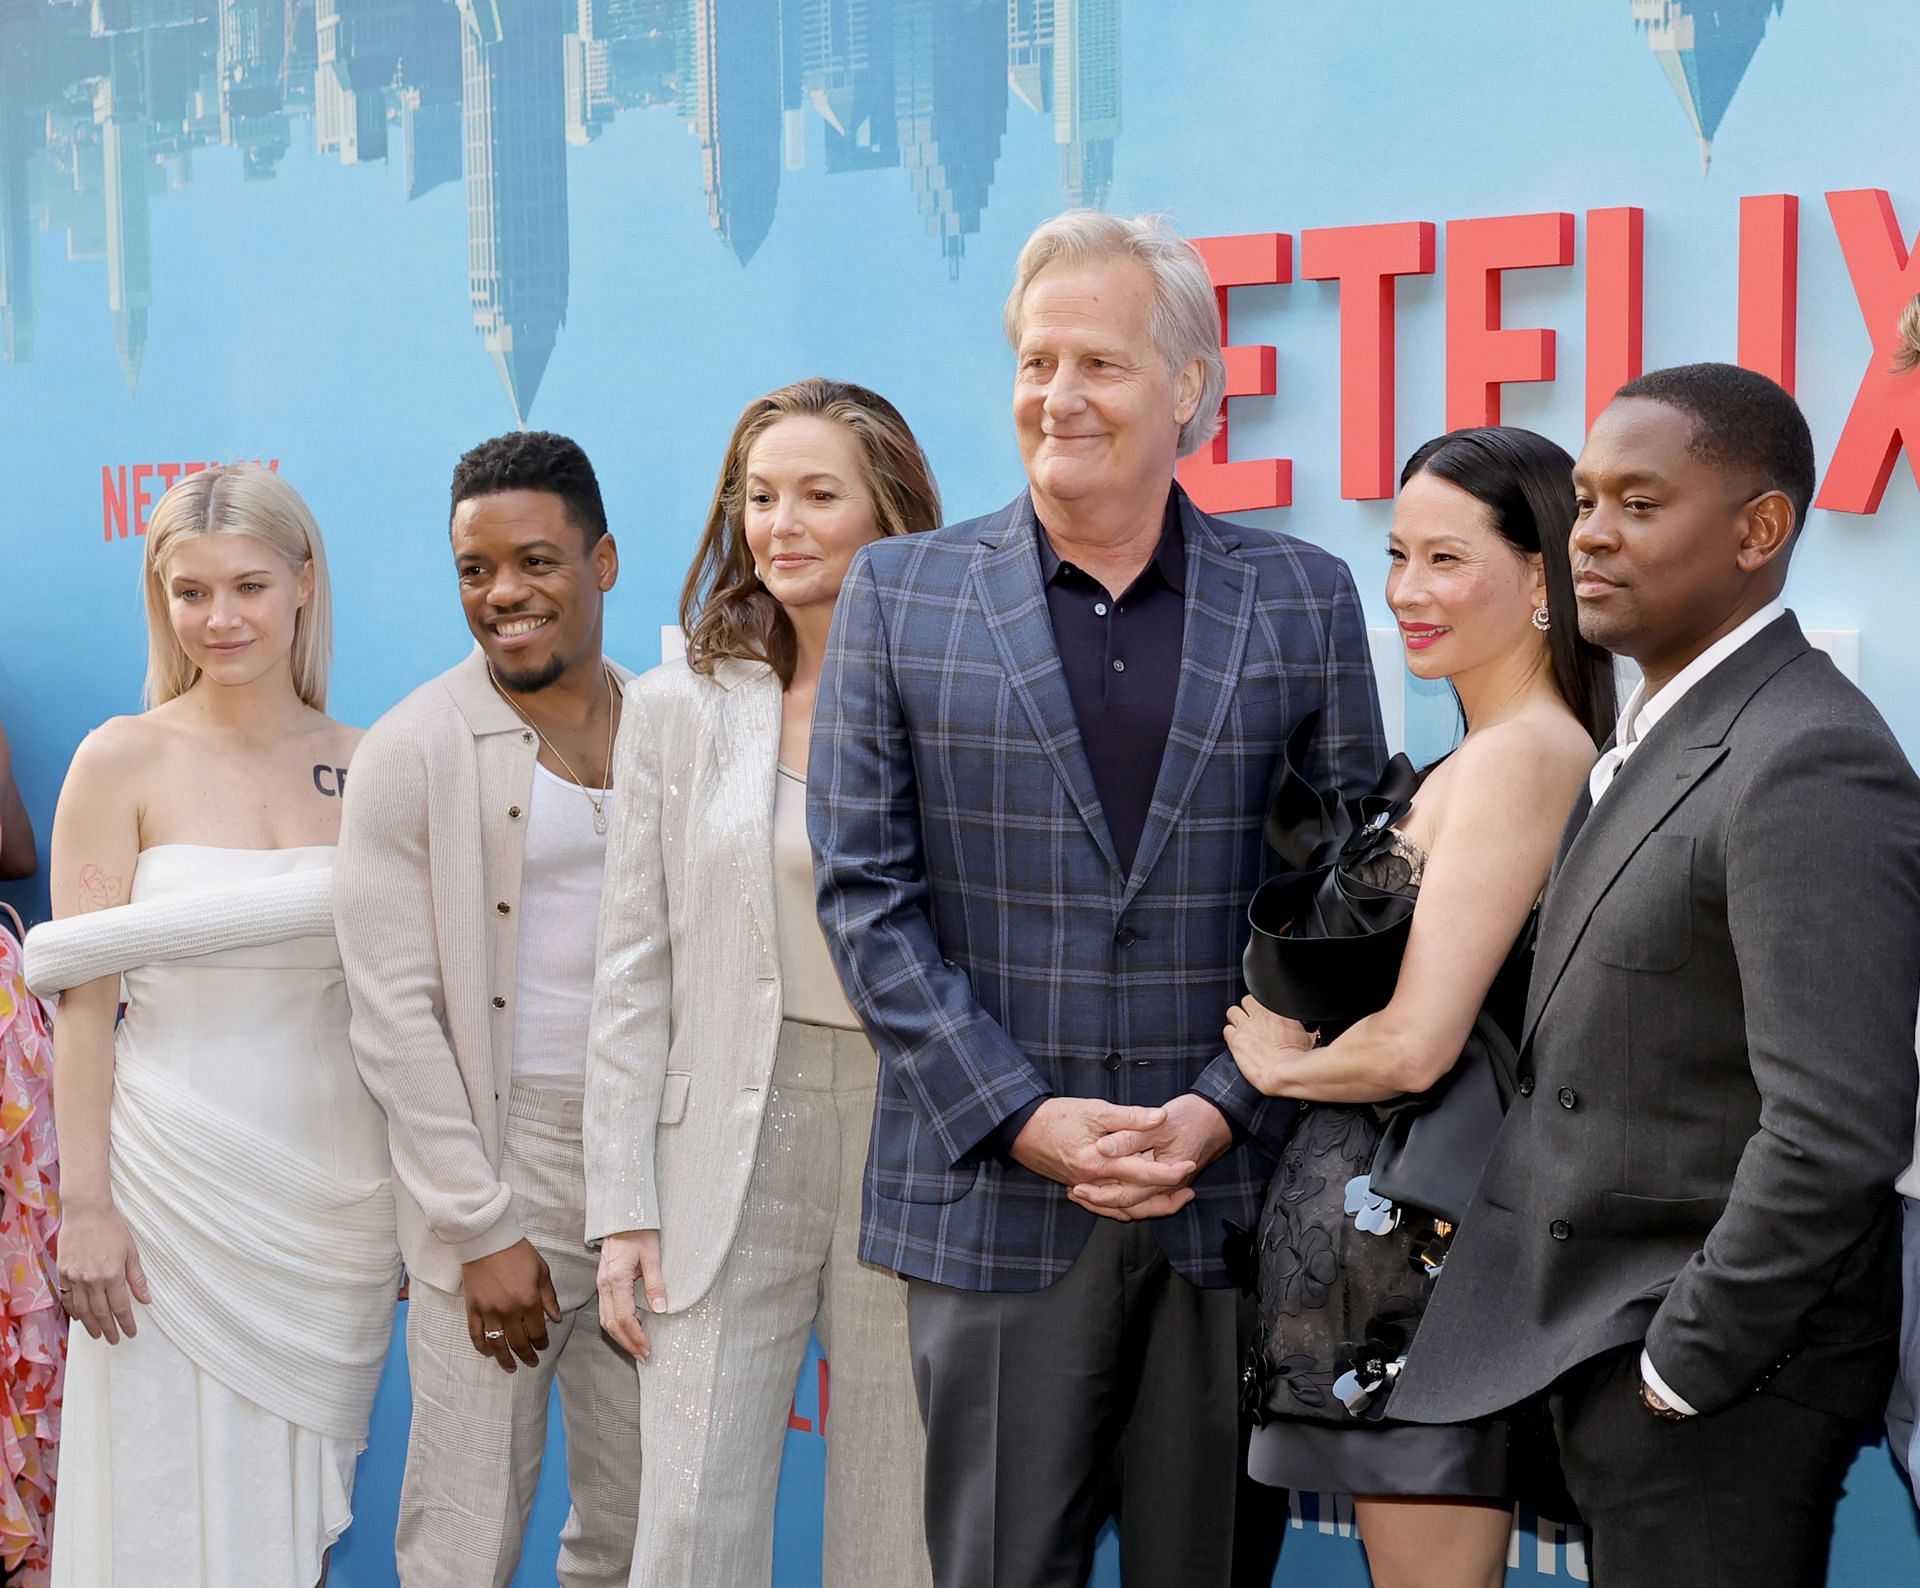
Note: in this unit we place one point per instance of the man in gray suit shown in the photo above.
(1687, 1233)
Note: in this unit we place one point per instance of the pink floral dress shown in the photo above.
(33, 1328)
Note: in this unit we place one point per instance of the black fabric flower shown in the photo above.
(1374, 1364)
(1256, 1383)
(1294, 1181)
(1303, 1267)
(1270, 1389)
(1346, 1134)
(1325, 941)
(1307, 1382)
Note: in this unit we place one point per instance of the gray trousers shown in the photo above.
(1114, 1391)
(1730, 1499)
(474, 1452)
(720, 1382)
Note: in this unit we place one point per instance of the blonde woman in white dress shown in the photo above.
(228, 1249)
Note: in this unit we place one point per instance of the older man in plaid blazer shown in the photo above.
(1043, 751)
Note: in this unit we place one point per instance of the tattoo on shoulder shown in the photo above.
(98, 891)
(329, 780)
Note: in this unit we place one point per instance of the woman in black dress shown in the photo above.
(1400, 934)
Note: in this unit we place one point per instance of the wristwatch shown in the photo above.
(1659, 1408)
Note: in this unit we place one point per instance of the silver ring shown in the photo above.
(494, 1334)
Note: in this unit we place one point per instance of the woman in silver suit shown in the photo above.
(730, 1088)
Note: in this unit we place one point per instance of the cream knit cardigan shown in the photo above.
(427, 911)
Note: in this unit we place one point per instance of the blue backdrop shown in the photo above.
(357, 236)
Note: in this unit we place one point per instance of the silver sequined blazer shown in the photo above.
(687, 999)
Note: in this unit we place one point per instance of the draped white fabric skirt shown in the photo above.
(168, 1479)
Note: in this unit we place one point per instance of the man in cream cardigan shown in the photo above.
(467, 895)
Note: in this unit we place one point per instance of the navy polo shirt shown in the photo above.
(1121, 655)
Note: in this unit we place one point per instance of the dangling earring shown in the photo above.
(1542, 618)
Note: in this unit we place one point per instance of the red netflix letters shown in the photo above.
(1770, 285)
(1365, 260)
(1258, 260)
(818, 1422)
(1616, 277)
(1886, 411)
(1483, 355)
(129, 491)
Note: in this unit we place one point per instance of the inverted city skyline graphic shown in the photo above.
(104, 102)
(1705, 48)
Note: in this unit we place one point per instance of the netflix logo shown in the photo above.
(1483, 354)
(128, 492)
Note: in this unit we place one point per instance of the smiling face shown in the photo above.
(1666, 547)
(1463, 593)
(233, 602)
(531, 586)
(1097, 411)
(807, 508)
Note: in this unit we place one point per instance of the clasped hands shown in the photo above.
(1123, 1162)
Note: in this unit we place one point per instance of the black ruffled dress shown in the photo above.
(1341, 1275)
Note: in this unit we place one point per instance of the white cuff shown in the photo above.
(1650, 1376)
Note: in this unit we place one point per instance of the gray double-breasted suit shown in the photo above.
(1717, 1078)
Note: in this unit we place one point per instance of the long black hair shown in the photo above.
(1526, 483)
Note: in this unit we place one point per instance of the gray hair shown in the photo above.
(1186, 315)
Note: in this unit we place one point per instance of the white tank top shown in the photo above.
(561, 872)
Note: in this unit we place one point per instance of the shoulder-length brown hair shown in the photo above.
(724, 609)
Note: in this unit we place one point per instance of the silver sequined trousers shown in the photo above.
(720, 1384)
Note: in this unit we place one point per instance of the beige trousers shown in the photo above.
(721, 1379)
(473, 1457)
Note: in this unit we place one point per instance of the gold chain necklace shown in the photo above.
(599, 804)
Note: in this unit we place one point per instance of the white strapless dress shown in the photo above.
(216, 1448)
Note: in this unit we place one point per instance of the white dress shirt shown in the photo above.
(1638, 718)
(1642, 714)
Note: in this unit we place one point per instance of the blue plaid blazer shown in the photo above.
(971, 897)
